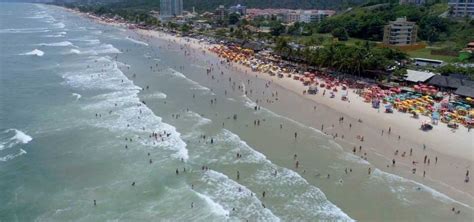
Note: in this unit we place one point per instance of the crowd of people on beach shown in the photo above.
(337, 129)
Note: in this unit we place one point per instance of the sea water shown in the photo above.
(80, 101)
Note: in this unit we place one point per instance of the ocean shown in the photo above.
(95, 113)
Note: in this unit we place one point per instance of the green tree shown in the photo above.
(234, 18)
(277, 29)
(340, 33)
(185, 28)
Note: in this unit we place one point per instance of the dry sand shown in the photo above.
(454, 149)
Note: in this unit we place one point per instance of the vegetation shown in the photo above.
(345, 42)
(133, 14)
(450, 69)
(368, 23)
(340, 57)
(292, 4)
(210, 5)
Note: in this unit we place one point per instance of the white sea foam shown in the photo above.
(397, 184)
(88, 39)
(215, 207)
(12, 156)
(225, 192)
(77, 95)
(200, 119)
(74, 51)
(196, 85)
(138, 42)
(58, 44)
(35, 52)
(96, 32)
(353, 158)
(304, 196)
(105, 49)
(8, 140)
(24, 30)
(129, 114)
(123, 64)
(156, 95)
(59, 25)
(54, 36)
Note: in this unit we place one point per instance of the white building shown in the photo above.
(400, 32)
(415, 2)
(306, 16)
(462, 8)
(171, 8)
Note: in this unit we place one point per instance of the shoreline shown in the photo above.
(442, 179)
(458, 189)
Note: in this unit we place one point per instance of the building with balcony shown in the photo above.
(400, 32)
(170, 8)
(239, 9)
(414, 2)
(220, 13)
(461, 8)
(306, 16)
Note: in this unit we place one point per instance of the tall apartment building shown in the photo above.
(220, 13)
(171, 8)
(415, 2)
(291, 16)
(309, 16)
(239, 9)
(462, 8)
(400, 32)
(306, 16)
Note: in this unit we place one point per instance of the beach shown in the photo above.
(455, 149)
(148, 125)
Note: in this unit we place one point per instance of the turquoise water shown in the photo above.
(81, 103)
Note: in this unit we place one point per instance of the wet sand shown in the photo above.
(454, 150)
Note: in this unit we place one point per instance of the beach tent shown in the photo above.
(450, 82)
(418, 76)
(466, 91)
